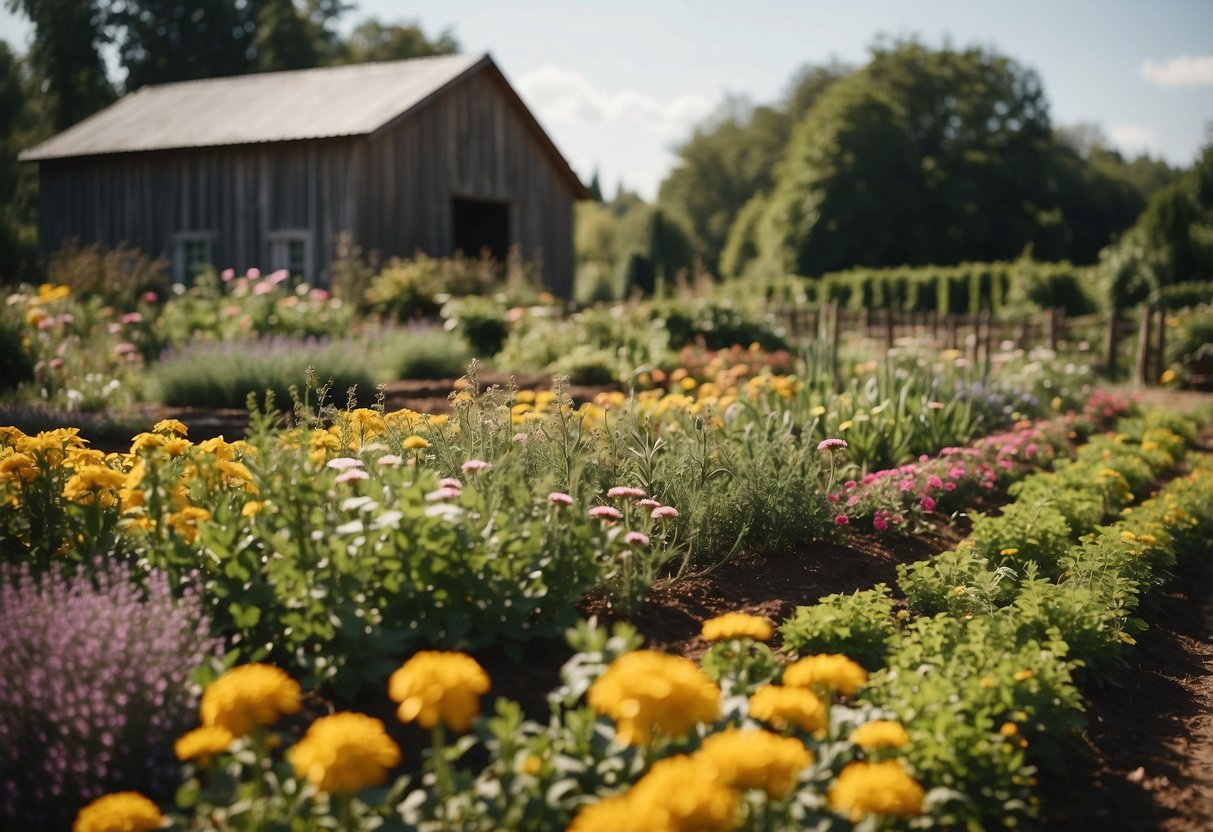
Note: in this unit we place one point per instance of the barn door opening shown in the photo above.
(481, 225)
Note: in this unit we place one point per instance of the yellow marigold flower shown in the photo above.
(145, 440)
(174, 426)
(883, 788)
(780, 707)
(218, 447)
(1168, 376)
(415, 443)
(1009, 729)
(1148, 539)
(177, 446)
(1024, 675)
(247, 696)
(436, 686)
(1009, 553)
(826, 670)
(1128, 536)
(685, 793)
(119, 812)
(91, 482)
(615, 814)
(647, 691)
(757, 759)
(880, 733)
(251, 508)
(959, 590)
(51, 292)
(203, 743)
(737, 625)
(185, 522)
(235, 471)
(344, 753)
(18, 467)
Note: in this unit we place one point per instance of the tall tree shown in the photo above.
(161, 41)
(284, 38)
(373, 40)
(66, 55)
(959, 138)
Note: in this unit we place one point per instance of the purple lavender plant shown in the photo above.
(95, 687)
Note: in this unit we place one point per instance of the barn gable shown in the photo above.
(268, 170)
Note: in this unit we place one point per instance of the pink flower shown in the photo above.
(343, 463)
(906, 484)
(927, 503)
(559, 498)
(263, 288)
(662, 512)
(849, 484)
(647, 503)
(949, 486)
(390, 459)
(443, 494)
(880, 524)
(605, 513)
(472, 466)
(519, 437)
(956, 472)
(352, 474)
(636, 538)
(56, 363)
(620, 492)
(868, 479)
(833, 498)
(226, 275)
(320, 295)
(841, 520)
(853, 499)
(934, 481)
(831, 444)
(449, 482)
(149, 297)
(278, 276)
(131, 318)
(253, 274)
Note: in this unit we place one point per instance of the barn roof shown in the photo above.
(327, 102)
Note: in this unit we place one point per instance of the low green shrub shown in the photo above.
(1023, 532)
(858, 625)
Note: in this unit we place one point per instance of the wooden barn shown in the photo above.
(434, 154)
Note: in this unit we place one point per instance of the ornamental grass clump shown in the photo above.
(96, 687)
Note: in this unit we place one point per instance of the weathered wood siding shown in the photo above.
(238, 194)
(392, 190)
(470, 141)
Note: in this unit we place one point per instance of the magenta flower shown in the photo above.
(662, 512)
(620, 492)
(474, 465)
(559, 498)
(831, 444)
(928, 503)
(880, 524)
(934, 481)
(841, 520)
(605, 513)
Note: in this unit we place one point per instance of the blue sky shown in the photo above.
(618, 84)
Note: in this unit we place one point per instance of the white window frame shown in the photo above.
(182, 273)
(280, 252)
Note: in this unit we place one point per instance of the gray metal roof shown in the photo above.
(270, 107)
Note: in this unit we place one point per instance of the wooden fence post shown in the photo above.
(1160, 347)
(1141, 368)
(1109, 343)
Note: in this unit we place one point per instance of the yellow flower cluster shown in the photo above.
(119, 812)
(679, 794)
(202, 743)
(827, 671)
(647, 692)
(883, 789)
(249, 696)
(344, 753)
(435, 686)
(880, 734)
(737, 625)
(783, 707)
(756, 759)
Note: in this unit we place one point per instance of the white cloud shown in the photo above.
(1180, 71)
(558, 95)
(1133, 139)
